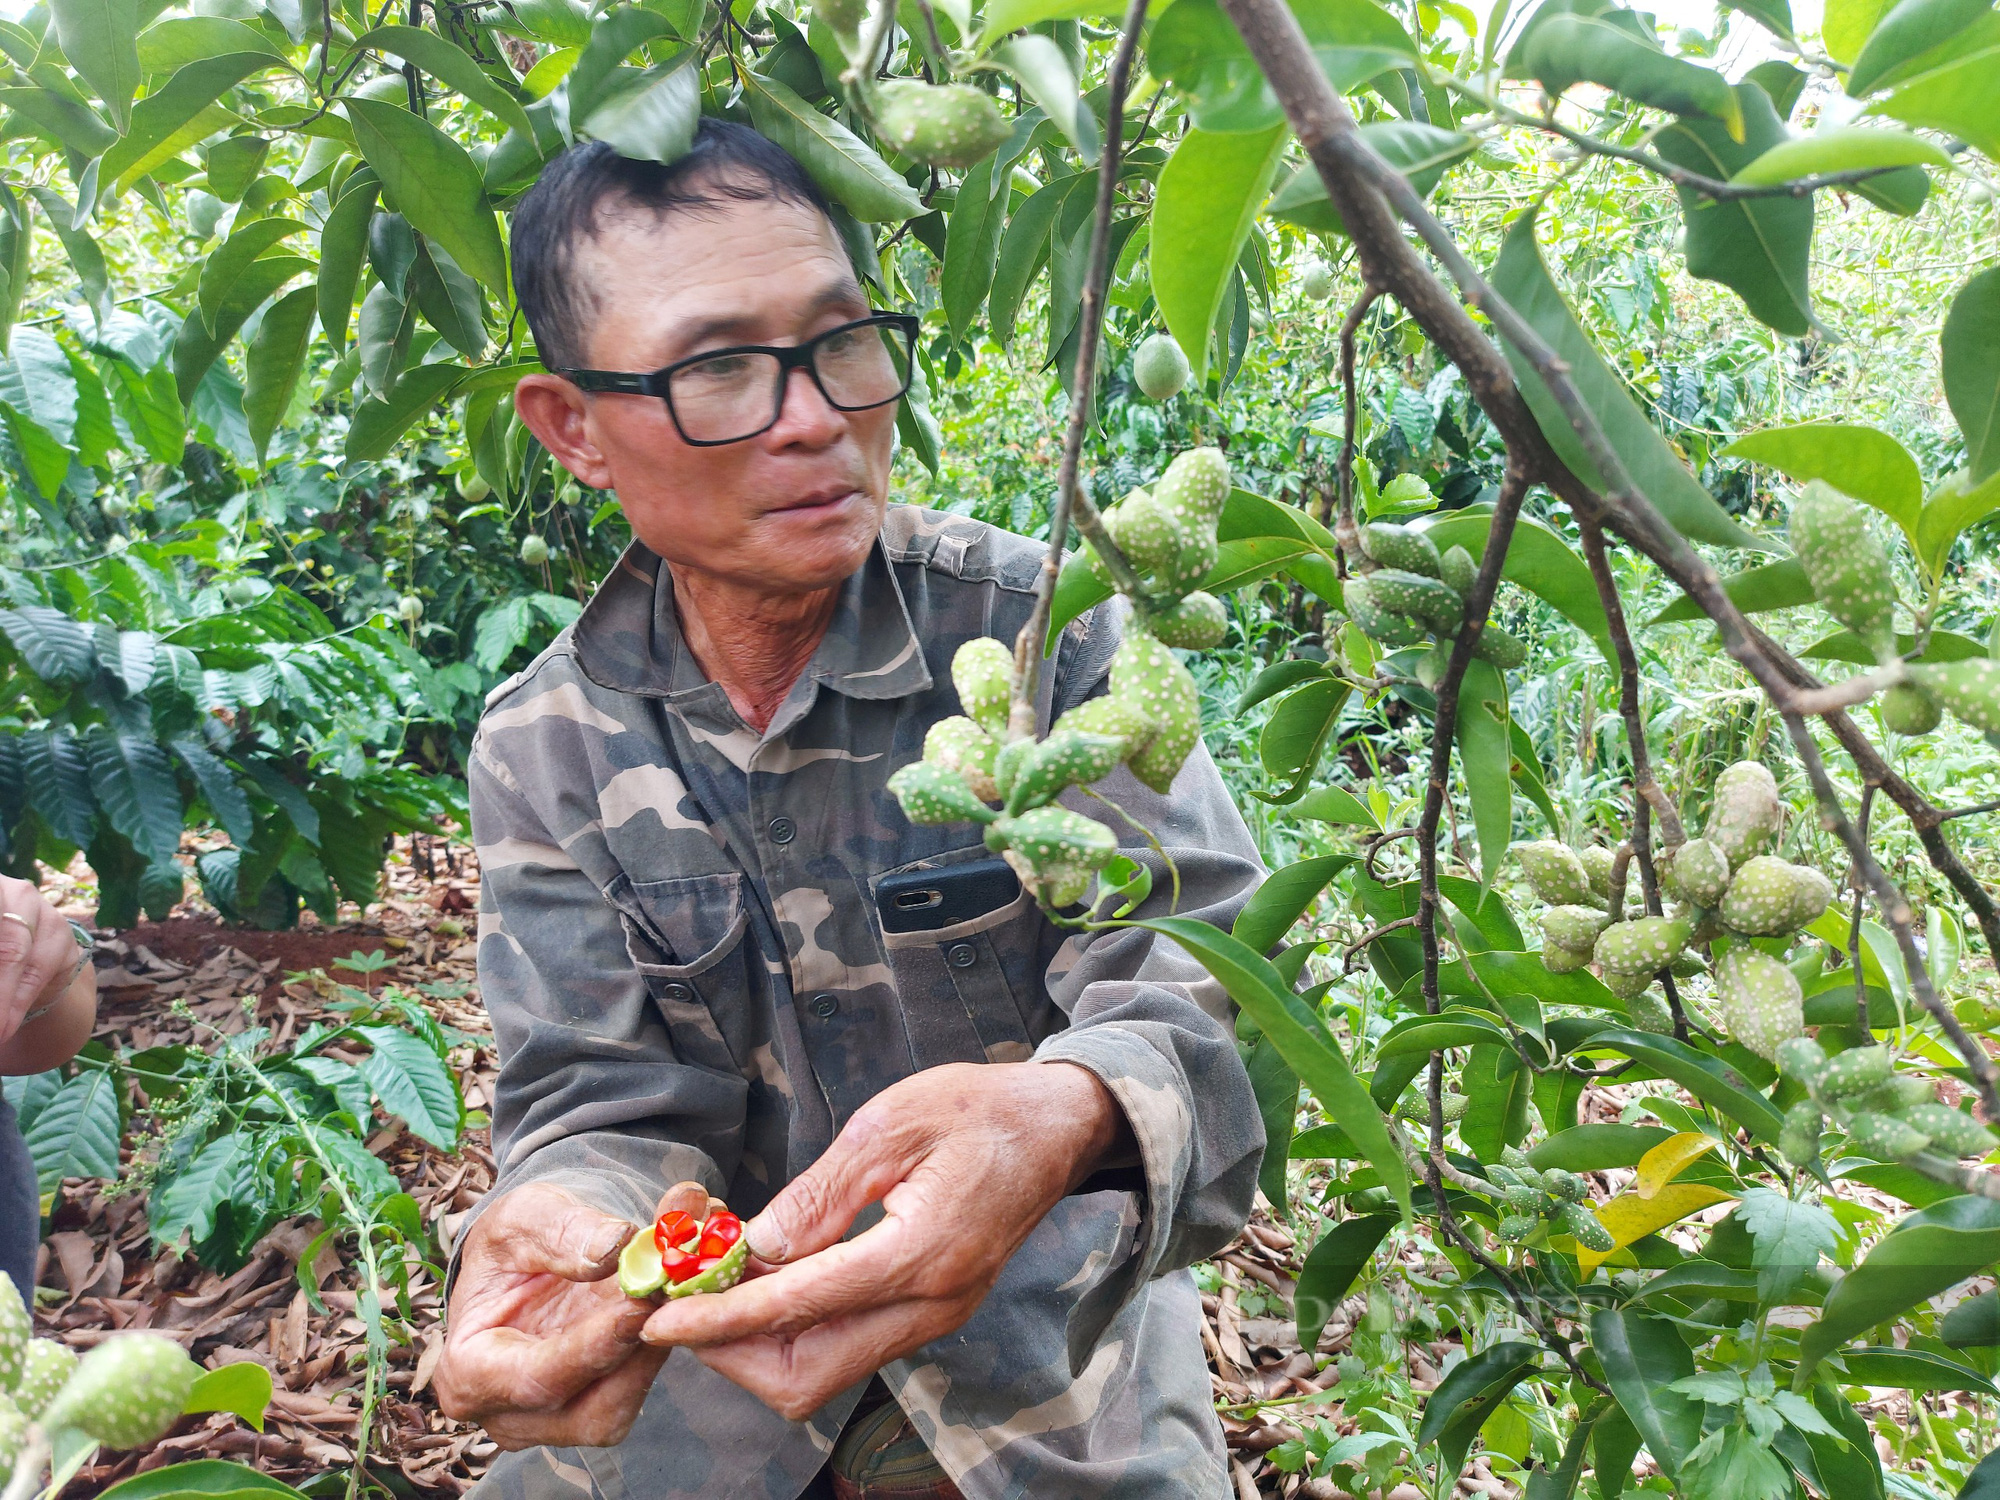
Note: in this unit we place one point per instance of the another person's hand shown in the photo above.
(40, 971)
(966, 1160)
(542, 1347)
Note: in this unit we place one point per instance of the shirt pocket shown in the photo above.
(973, 991)
(687, 939)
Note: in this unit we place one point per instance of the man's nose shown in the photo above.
(805, 415)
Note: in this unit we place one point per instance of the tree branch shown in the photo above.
(1345, 531)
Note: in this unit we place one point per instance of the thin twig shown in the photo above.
(1854, 921)
(1345, 531)
(1029, 645)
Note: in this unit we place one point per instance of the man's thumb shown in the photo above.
(579, 1244)
(819, 1205)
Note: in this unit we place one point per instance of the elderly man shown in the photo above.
(980, 1151)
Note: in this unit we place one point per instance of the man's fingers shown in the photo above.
(542, 1228)
(21, 910)
(876, 1150)
(690, 1198)
(599, 1416)
(796, 1377)
(503, 1369)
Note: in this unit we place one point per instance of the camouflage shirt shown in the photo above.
(680, 949)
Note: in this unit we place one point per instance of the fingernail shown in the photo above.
(609, 1239)
(767, 1240)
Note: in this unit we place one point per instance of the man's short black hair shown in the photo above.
(727, 163)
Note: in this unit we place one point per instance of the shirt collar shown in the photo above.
(628, 637)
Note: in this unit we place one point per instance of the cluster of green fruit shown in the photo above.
(1726, 887)
(1532, 1197)
(125, 1392)
(1412, 593)
(1149, 720)
(1887, 1114)
(1852, 577)
(941, 124)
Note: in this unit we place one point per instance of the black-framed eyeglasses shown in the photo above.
(728, 395)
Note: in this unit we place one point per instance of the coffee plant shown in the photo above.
(251, 251)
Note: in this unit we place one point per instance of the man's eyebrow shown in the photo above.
(741, 328)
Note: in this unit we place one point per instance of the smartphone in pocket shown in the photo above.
(926, 900)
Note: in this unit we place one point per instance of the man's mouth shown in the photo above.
(820, 499)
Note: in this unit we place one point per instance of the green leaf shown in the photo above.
(1642, 1357)
(1778, 585)
(343, 250)
(1332, 804)
(66, 121)
(428, 178)
(39, 383)
(218, 787)
(1279, 677)
(1486, 759)
(1283, 898)
(197, 348)
(1425, 1034)
(1970, 347)
(379, 421)
(1760, 248)
(135, 786)
(1789, 1236)
(452, 66)
(243, 1389)
(1198, 49)
(1861, 462)
(1974, 1323)
(649, 114)
(1707, 1078)
(85, 258)
(1951, 509)
(1957, 95)
(844, 165)
(170, 45)
(1044, 72)
(1276, 1088)
(1023, 248)
(1983, 1483)
(1560, 1482)
(1929, 1251)
(100, 40)
(972, 240)
(1500, 1088)
(1466, 1396)
(1524, 281)
(1208, 196)
(160, 117)
(1300, 1035)
(275, 358)
(75, 1134)
(1539, 560)
(55, 647)
(1914, 1370)
(1421, 152)
(151, 407)
(1563, 48)
(1341, 1255)
(226, 264)
(412, 1081)
(1839, 148)
(1598, 1148)
(1905, 33)
(1296, 734)
(1944, 645)
(1847, 24)
(203, 1476)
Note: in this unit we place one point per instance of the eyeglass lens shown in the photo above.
(738, 395)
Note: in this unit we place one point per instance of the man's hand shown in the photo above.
(543, 1347)
(39, 971)
(966, 1160)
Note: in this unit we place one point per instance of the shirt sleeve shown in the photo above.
(591, 1096)
(1151, 1024)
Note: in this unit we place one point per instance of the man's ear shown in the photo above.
(554, 412)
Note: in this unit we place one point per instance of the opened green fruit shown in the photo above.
(681, 1255)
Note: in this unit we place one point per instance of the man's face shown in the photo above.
(793, 509)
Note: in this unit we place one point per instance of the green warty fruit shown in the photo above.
(1565, 1186)
(931, 794)
(947, 125)
(960, 745)
(1847, 565)
(13, 1435)
(1597, 861)
(1554, 872)
(983, 672)
(1008, 762)
(1055, 851)
(1798, 1141)
(1884, 1137)
(1195, 487)
(1626, 986)
(1588, 1232)
(1644, 945)
(1517, 1227)
(1457, 568)
(1431, 600)
(43, 1372)
(1802, 1058)
(1377, 622)
(1066, 758)
(1502, 648)
(1970, 689)
(1515, 1159)
(1762, 1005)
(1403, 547)
(843, 16)
(1194, 624)
(1853, 1072)
(1145, 532)
(1560, 960)
(1956, 1132)
(1768, 896)
(1109, 715)
(16, 1329)
(1746, 814)
(1650, 1012)
(1160, 368)
(1527, 1199)
(1697, 872)
(126, 1391)
(1573, 927)
(1911, 711)
(1152, 680)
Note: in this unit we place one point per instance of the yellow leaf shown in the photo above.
(1670, 1158)
(1631, 1217)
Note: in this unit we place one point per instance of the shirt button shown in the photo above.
(961, 955)
(677, 992)
(783, 830)
(824, 1006)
